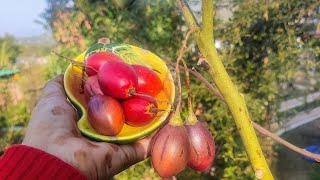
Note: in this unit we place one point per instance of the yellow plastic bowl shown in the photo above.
(136, 55)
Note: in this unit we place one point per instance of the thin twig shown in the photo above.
(149, 97)
(186, 70)
(188, 84)
(286, 143)
(201, 78)
(177, 69)
(76, 63)
(207, 83)
(76, 74)
(69, 59)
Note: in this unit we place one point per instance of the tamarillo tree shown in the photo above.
(235, 101)
(232, 97)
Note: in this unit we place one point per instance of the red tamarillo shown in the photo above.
(170, 149)
(105, 115)
(117, 79)
(202, 146)
(95, 60)
(139, 111)
(91, 88)
(148, 81)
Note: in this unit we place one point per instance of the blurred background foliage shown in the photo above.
(9, 51)
(13, 116)
(262, 44)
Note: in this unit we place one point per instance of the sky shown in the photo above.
(17, 17)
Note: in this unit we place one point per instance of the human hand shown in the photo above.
(53, 129)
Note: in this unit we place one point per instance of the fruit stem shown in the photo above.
(176, 119)
(154, 109)
(82, 82)
(178, 108)
(76, 75)
(134, 93)
(104, 40)
(73, 62)
(200, 77)
(155, 70)
(191, 118)
(182, 51)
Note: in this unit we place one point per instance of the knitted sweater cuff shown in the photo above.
(24, 162)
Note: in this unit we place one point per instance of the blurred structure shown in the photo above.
(10, 73)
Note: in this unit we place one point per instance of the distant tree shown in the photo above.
(9, 51)
(264, 44)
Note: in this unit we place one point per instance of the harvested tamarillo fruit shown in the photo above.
(105, 115)
(170, 149)
(139, 111)
(117, 79)
(95, 60)
(148, 81)
(91, 88)
(202, 146)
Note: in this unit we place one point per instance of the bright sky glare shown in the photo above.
(17, 17)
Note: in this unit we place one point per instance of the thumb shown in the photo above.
(128, 155)
(54, 88)
(52, 114)
(53, 107)
(132, 154)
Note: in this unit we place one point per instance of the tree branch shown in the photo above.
(201, 78)
(190, 19)
(207, 20)
(286, 143)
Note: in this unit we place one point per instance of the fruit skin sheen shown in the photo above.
(202, 147)
(94, 61)
(105, 115)
(170, 150)
(148, 81)
(139, 111)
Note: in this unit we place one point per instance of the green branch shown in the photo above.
(190, 19)
(207, 20)
(233, 98)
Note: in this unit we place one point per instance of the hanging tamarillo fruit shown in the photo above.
(202, 146)
(170, 148)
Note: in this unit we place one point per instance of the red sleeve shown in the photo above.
(24, 162)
